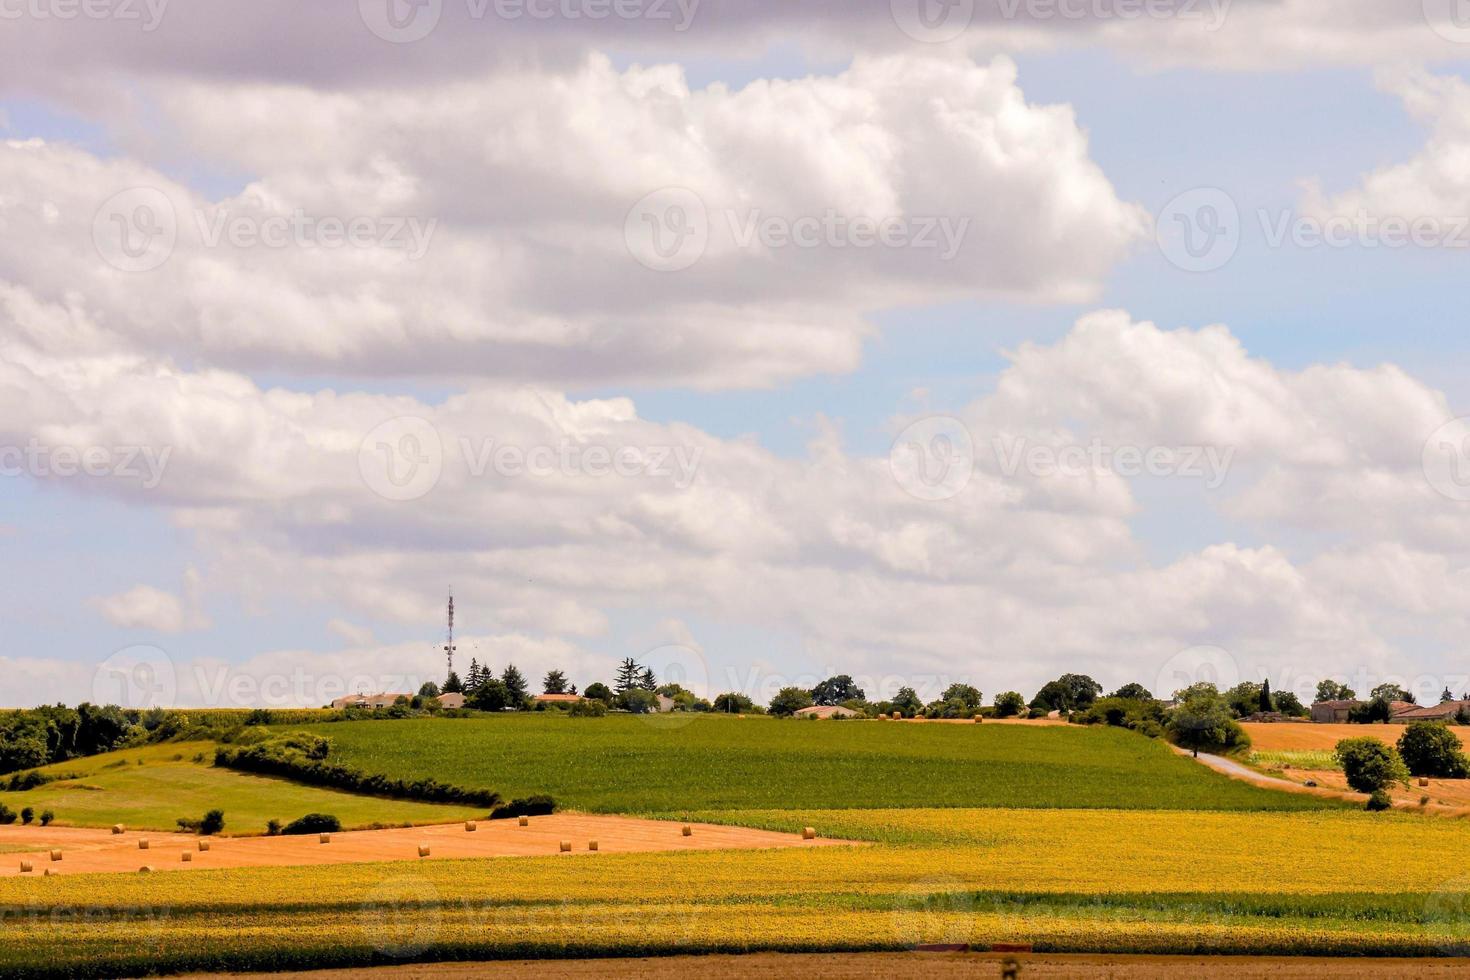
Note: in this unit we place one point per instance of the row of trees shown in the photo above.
(1425, 748)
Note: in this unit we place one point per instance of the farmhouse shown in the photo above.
(451, 700)
(1445, 711)
(827, 711)
(368, 700)
(1336, 712)
(557, 698)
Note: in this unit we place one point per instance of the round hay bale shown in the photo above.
(1423, 781)
(56, 854)
(979, 718)
(423, 850)
(48, 873)
(187, 857)
(26, 867)
(469, 826)
(566, 847)
(204, 845)
(117, 828)
(524, 821)
(592, 845)
(808, 833)
(143, 844)
(739, 716)
(325, 839)
(688, 831)
(145, 869)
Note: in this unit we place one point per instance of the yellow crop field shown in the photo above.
(1087, 880)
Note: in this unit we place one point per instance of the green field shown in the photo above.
(667, 765)
(149, 788)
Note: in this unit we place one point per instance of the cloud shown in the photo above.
(354, 634)
(147, 608)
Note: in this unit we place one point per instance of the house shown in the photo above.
(827, 711)
(1336, 712)
(368, 700)
(556, 698)
(451, 700)
(1444, 711)
(666, 703)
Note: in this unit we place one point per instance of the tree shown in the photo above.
(1133, 692)
(1445, 695)
(906, 702)
(1070, 692)
(1264, 705)
(598, 691)
(964, 693)
(647, 680)
(1374, 711)
(1429, 748)
(733, 703)
(1331, 690)
(1244, 698)
(213, 822)
(491, 696)
(1008, 704)
(1369, 765)
(638, 701)
(515, 685)
(428, 690)
(1390, 692)
(627, 676)
(474, 677)
(555, 682)
(789, 700)
(452, 684)
(1289, 704)
(1202, 721)
(835, 690)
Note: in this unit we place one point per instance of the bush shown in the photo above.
(1429, 748)
(46, 817)
(1379, 800)
(531, 806)
(273, 828)
(638, 701)
(27, 815)
(312, 823)
(213, 822)
(1369, 765)
(789, 700)
(587, 708)
(7, 815)
(1008, 704)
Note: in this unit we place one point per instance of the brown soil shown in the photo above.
(1033, 966)
(87, 849)
(1298, 736)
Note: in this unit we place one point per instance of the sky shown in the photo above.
(916, 340)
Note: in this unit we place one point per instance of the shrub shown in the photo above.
(1379, 800)
(46, 817)
(789, 700)
(27, 815)
(213, 822)
(1009, 704)
(531, 806)
(588, 708)
(273, 828)
(312, 823)
(7, 815)
(1202, 721)
(1429, 748)
(638, 701)
(1369, 765)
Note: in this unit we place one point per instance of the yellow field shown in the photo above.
(1086, 880)
(1269, 737)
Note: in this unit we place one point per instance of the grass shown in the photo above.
(1299, 759)
(168, 784)
(669, 764)
(1078, 880)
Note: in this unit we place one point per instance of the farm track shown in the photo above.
(87, 850)
(851, 966)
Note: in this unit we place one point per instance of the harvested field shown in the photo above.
(1048, 966)
(86, 850)
(1293, 736)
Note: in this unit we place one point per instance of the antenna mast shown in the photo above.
(449, 641)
